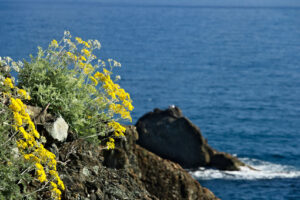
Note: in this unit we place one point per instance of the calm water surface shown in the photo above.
(233, 70)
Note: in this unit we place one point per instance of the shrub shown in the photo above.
(68, 77)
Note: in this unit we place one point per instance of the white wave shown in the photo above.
(264, 170)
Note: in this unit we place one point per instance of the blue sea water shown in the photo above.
(233, 68)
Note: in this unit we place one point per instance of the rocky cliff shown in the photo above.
(128, 172)
(151, 171)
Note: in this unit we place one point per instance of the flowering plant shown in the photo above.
(78, 86)
(68, 80)
(25, 136)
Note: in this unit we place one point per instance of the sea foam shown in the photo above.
(264, 170)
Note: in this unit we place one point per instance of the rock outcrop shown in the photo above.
(172, 136)
(167, 180)
(128, 172)
(85, 175)
(90, 171)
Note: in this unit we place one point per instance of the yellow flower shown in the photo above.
(8, 82)
(88, 69)
(56, 193)
(110, 144)
(72, 56)
(119, 130)
(24, 133)
(21, 144)
(32, 151)
(32, 158)
(35, 133)
(40, 172)
(106, 72)
(60, 184)
(54, 43)
(23, 94)
(94, 80)
(86, 52)
(53, 184)
(18, 119)
(79, 40)
(83, 58)
(86, 44)
(128, 105)
(41, 176)
(81, 64)
(99, 76)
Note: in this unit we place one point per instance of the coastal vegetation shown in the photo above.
(68, 81)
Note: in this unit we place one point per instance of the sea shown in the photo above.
(233, 67)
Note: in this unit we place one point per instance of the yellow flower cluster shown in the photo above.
(111, 143)
(40, 172)
(56, 193)
(117, 94)
(80, 41)
(86, 52)
(8, 82)
(54, 43)
(72, 56)
(119, 130)
(23, 94)
(94, 80)
(33, 151)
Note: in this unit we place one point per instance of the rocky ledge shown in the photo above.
(127, 172)
(172, 136)
(90, 171)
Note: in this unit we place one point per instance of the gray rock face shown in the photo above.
(172, 136)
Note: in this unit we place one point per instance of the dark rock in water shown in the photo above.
(225, 161)
(167, 180)
(170, 135)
